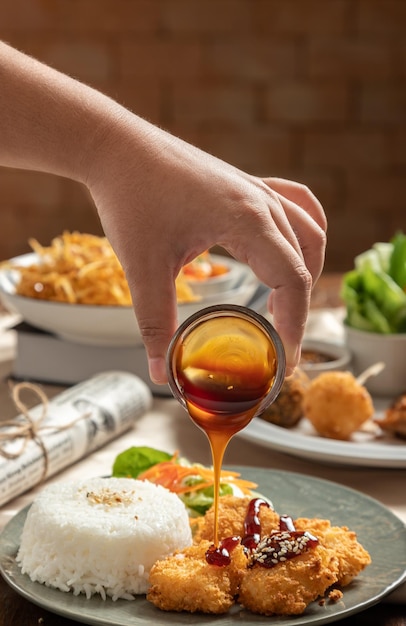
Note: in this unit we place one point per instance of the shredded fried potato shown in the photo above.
(80, 268)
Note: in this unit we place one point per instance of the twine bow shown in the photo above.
(27, 428)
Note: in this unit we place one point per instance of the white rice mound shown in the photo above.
(101, 536)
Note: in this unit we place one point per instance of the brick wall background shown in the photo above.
(312, 90)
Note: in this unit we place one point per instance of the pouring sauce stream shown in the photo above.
(225, 369)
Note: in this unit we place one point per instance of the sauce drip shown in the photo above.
(252, 524)
(220, 555)
(225, 369)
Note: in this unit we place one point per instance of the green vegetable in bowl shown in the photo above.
(374, 292)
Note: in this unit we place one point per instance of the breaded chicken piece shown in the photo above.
(340, 541)
(186, 582)
(290, 586)
(232, 513)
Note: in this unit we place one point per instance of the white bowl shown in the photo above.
(338, 357)
(220, 283)
(107, 325)
(369, 348)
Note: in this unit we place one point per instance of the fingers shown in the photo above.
(300, 232)
(307, 219)
(284, 270)
(310, 236)
(301, 196)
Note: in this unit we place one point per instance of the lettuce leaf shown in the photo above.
(397, 264)
(374, 292)
(135, 460)
(199, 502)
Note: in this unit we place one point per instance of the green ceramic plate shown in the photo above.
(380, 532)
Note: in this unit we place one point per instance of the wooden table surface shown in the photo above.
(16, 611)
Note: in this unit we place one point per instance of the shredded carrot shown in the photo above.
(171, 474)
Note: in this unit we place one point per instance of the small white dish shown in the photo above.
(324, 356)
(222, 282)
(369, 348)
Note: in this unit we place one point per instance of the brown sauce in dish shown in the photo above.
(309, 357)
(225, 370)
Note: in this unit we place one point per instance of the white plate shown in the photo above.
(291, 494)
(302, 441)
(108, 325)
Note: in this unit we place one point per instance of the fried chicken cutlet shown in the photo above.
(290, 586)
(232, 514)
(340, 541)
(309, 559)
(186, 582)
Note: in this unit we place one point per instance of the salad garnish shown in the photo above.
(192, 482)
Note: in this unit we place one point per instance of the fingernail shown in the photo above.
(292, 358)
(157, 370)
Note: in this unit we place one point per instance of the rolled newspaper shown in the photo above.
(45, 439)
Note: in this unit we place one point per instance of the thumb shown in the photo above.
(155, 306)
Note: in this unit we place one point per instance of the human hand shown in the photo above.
(162, 202)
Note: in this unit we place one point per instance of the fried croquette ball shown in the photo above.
(337, 405)
(232, 514)
(290, 586)
(287, 409)
(342, 543)
(186, 582)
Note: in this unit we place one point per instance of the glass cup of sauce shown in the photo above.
(226, 364)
